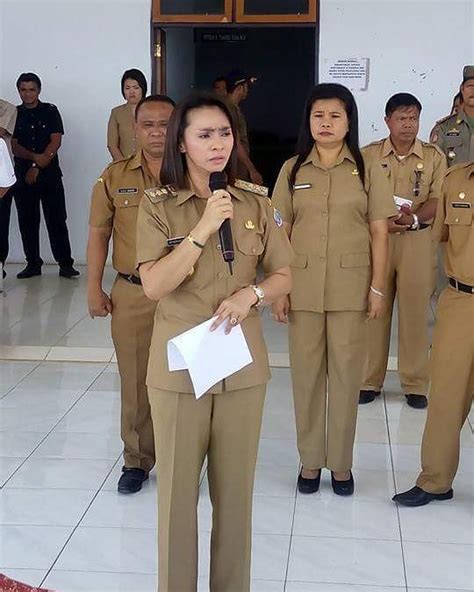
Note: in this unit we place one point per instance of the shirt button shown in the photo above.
(253, 249)
(322, 258)
(456, 219)
(126, 202)
(220, 275)
(218, 247)
(325, 214)
(323, 238)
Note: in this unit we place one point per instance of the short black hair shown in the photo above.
(219, 79)
(28, 77)
(401, 100)
(154, 99)
(134, 74)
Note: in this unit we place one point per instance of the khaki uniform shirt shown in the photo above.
(241, 125)
(417, 177)
(453, 223)
(8, 113)
(115, 199)
(329, 212)
(121, 130)
(258, 238)
(455, 138)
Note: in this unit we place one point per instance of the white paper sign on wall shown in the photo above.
(351, 72)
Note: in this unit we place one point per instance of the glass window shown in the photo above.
(188, 7)
(256, 7)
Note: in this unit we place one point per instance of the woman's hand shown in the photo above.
(218, 208)
(234, 309)
(280, 309)
(376, 306)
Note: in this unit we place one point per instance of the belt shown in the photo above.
(460, 287)
(420, 227)
(133, 279)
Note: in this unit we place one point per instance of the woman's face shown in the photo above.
(328, 122)
(208, 140)
(132, 91)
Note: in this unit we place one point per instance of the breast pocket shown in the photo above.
(127, 201)
(458, 217)
(352, 260)
(249, 247)
(453, 141)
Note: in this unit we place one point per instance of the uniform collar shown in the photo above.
(388, 148)
(313, 157)
(136, 161)
(185, 194)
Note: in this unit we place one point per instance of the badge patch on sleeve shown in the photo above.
(277, 217)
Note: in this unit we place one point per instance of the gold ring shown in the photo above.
(233, 321)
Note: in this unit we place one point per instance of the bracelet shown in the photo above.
(194, 242)
(416, 222)
(378, 292)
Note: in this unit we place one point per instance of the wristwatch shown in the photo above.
(416, 222)
(259, 293)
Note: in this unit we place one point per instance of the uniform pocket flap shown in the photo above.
(458, 216)
(355, 260)
(250, 244)
(300, 261)
(127, 201)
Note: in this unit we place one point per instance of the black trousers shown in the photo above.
(49, 192)
(5, 212)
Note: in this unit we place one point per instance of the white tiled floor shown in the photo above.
(63, 525)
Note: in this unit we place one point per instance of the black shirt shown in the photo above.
(33, 131)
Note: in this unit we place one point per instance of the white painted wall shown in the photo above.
(81, 47)
(416, 46)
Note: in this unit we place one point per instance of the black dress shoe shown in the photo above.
(132, 480)
(418, 497)
(367, 396)
(417, 401)
(343, 487)
(4, 273)
(29, 271)
(308, 485)
(68, 271)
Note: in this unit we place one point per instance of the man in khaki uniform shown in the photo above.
(8, 114)
(238, 84)
(114, 211)
(415, 171)
(454, 134)
(452, 356)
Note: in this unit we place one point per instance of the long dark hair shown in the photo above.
(174, 168)
(306, 140)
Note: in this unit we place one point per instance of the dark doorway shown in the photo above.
(283, 58)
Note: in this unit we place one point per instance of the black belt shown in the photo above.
(420, 227)
(133, 279)
(460, 287)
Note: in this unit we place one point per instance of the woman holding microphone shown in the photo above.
(181, 266)
(335, 208)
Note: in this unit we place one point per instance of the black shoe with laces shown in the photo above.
(419, 497)
(131, 480)
(29, 271)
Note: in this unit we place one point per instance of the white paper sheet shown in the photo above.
(402, 201)
(209, 356)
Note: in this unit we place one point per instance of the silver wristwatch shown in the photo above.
(416, 222)
(259, 293)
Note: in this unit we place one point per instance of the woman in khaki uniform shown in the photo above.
(181, 266)
(121, 140)
(335, 208)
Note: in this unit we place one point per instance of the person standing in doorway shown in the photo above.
(121, 140)
(334, 206)
(35, 143)
(415, 171)
(238, 85)
(114, 209)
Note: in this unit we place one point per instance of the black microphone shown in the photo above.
(218, 180)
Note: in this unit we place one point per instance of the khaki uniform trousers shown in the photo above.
(132, 326)
(327, 353)
(452, 384)
(226, 427)
(410, 279)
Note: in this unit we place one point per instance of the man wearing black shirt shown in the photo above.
(35, 143)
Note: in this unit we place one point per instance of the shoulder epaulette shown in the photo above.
(375, 143)
(443, 119)
(158, 194)
(252, 187)
(435, 147)
(457, 167)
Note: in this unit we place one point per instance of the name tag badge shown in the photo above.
(461, 204)
(127, 190)
(401, 201)
(302, 186)
(174, 241)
